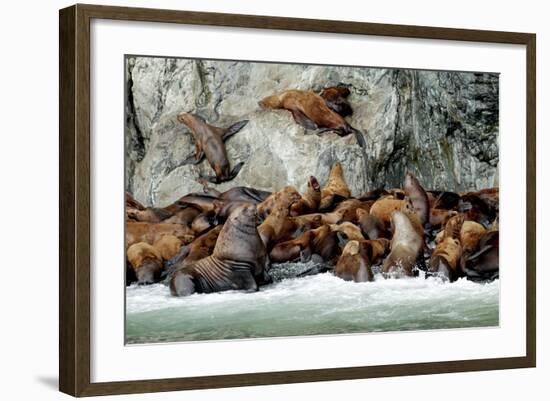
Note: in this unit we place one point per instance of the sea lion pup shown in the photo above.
(209, 142)
(311, 112)
(284, 197)
(278, 226)
(353, 265)
(146, 262)
(407, 243)
(167, 246)
(310, 200)
(132, 203)
(335, 98)
(148, 215)
(371, 226)
(149, 232)
(347, 231)
(184, 216)
(336, 189)
(417, 195)
(445, 258)
(239, 260)
(383, 209)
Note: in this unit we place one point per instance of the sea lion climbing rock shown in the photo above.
(335, 98)
(209, 142)
(239, 260)
(353, 264)
(336, 188)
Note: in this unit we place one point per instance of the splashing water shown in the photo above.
(317, 304)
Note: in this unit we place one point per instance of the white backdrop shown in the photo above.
(28, 162)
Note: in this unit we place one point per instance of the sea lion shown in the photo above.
(438, 217)
(311, 112)
(285, 197)
(445, 259)
(418, 196)
(204, 202)
(309, 220)
(443, 199)
(239, 260)
(149, 232)
(383, 209)
(350, 207)
(324, 243)
(347, 231)
(278, 226)
(484, 263)
(335, 98)
(336, 188)
(184, 216)
(244, 194)
(374, 194)
(148, 215)
(310, 200)
(145, 261)
(167, 246)
(294, 249)
(353, 265)
(407, 244)
(371, 226)
(375, 249)
(204, 222)
(209, 142)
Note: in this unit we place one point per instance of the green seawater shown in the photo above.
(311, 305)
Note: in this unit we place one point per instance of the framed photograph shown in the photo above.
(250, 200)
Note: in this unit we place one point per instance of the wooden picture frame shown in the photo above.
(74, 202)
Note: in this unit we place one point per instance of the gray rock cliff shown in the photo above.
(441, 125)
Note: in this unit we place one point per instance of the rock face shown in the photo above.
(441, 125)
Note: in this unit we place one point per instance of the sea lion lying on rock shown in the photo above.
(149, 232)
(239, 260)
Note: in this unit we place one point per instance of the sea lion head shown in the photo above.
(188, 118)
(313, 184)
(245, 214)
(351, 248)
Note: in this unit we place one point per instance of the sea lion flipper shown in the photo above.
(360, 138)
(217, 180)
(303, 120)
(235, 171)
(232, 130)
(192, 159)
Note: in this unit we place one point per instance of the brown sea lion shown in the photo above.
(310, 200)
(324, 243)
(350, 206)
(336, 189)
(149, 232)
(383, 209)
(167, 246)
(204, 202)
(239, 260)
(148, 215)
(371, 226)
(443, 199)
(374, 194)
(146, 262)
(209, 142)
(184, 216)
(407, 244)
(347, 231)
(438, 217)
(312, 219)
(294, 249)
(278, 226)
(484, 263)
(335, 98)
(353, 265)
(204, 222)
(418, 197)
(284, 197)
(312, 112)
(375, 249)
(445, 259)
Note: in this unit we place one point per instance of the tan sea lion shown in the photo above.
(239, 260)
(312, 112)
(148, 215)
(184, 216)
(445, 259)
(438, 217)
(204, 222)
(167, 246)
(310, 200)
(375, 249)
(209, 142)
(353, 265)
(149, 232)
(336, 188)
(278, 226)
(470, 235)
(383, 209)
(335, 98)
(371, 226)
(146, 262)
(348, 231)
(285, 197)
(407, 244)
(132, 203)
(418, 196)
